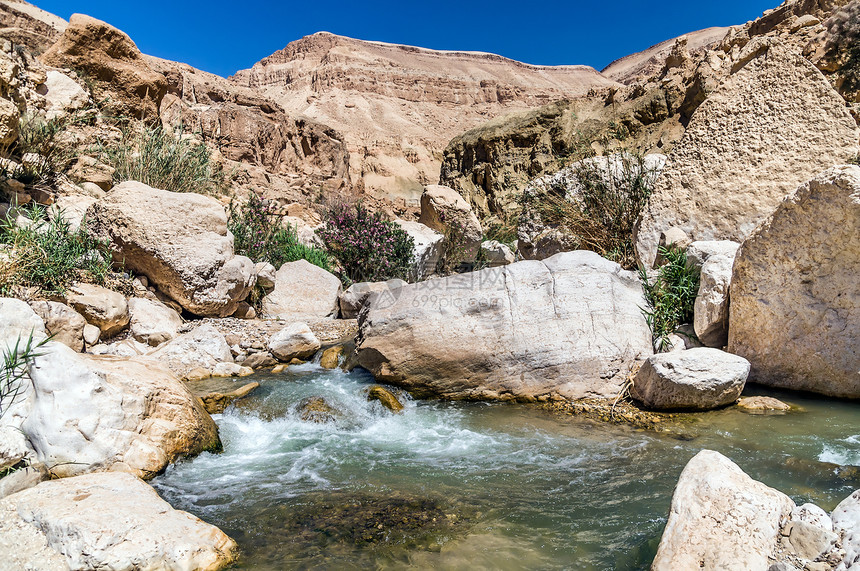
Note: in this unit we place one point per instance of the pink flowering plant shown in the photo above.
(368, 247)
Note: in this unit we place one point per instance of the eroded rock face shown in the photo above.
(846, 521)
(112, 60)
(106, 521)
(569, 326)
(711, 308)
(303, 291)
(752, 141)
(85, 413)
(193, 353)
(794, 309)
(721, 519)
(179, 241)
(64, 95)
(445, 211)
(695, 379)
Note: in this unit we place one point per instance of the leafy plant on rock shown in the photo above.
(39, 154)
(367, 247)
(44, 252)
(670, 296)
(259, 235)
(16, 360)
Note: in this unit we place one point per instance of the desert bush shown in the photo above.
(367, 247)
(164, 159)
(259, 235)
(601, 213)
(16, 360)
(38, 156)
(48, 254)
(843, 29)
(670, 296)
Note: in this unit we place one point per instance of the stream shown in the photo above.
(476, 485)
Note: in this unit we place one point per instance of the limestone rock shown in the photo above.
(303, 291)
(86, 413)
(224, 369)
(179, 241)
(753, 140)
(429, 246)
(113, 62)
(216, 403)
(14, 447)
(152, 322)
(354, 298)
(698, 252)
(72, 208)
(794, 309)
(18, 322)
(64, 95)
(711, 308)
(696, 379)
(9, 116)
(318, 410)
(331, 357)
(203, 347)
(846, 521)
(385, 397)
(496, 253)
(62, 322)
(266, 275)
(106, 521)
(91, 334)
(104, 308)
(259, 360)
(720, 518)
(245, 311)
(295, 341)
(762, 404)
(445, 211)
(569, 326)
(89, 169)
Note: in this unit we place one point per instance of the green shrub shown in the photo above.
(48, 255)
(165, 160)
(40, 142)
(367, 247)
(670, 297)
(602, 213)
(259, 235)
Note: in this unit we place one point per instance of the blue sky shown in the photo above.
(220, 36)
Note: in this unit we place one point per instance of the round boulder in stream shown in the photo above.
(317, 409)
(385, 397)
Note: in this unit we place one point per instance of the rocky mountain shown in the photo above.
(398, 106)
(25, 24)
(641, 65)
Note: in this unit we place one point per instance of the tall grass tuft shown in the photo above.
(670, 297)
(47, 254)
(13, 369)
(602, 211)
(39, 155)
(166, 160)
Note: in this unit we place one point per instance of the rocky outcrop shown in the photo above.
(63, 96)
(721, 519)
(567, 327)
(106, 521)
(179, 241)
(398, 106)
(84, 413)
(291, 156)
(303, 291)
(27, 25)
(752, 141)
(711, 308)
(117, 68)
(794, 309)
(445, 211)
(695, 379)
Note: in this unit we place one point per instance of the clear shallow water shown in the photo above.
(477, 486)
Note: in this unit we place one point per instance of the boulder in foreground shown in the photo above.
(106, 521)
(566, 327)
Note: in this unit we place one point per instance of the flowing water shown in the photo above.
(477, 486)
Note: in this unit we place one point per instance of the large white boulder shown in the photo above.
(179, 241)
(18, 323)
(196, 353)
(711, 308)
(62, 322)
(85, 413)
(846, 522)
(445, 211)
(795, 309)
(303, 291)
(295, 341)
(429, 246)
(353, 299)
(770, 125)
(104, 308)
(695, 379)
(106, 521)
(721, 519)
(570, 326)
